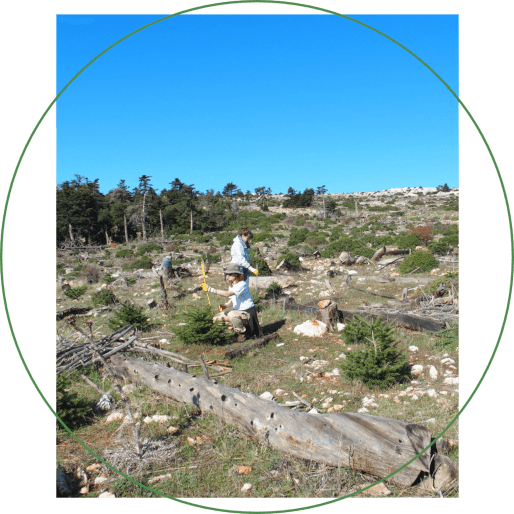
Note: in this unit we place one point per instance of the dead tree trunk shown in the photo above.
(243, 350)
(126, 231)
(162, 227)
(164, 296)
(143, 218)
(71, 232)
(372, 444)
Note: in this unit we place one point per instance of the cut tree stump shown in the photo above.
(328, 315)
(363, 442)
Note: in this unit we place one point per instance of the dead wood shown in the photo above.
(328, 315)
(72, 310)
(242, 350)
(371, 444)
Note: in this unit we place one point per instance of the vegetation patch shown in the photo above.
(199, 328)
(75, 292)
(418, 262)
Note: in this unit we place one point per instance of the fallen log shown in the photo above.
(372, 444)
(242, 350)
(410, 321)
(72, 310)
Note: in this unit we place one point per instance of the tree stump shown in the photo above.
(328, 315)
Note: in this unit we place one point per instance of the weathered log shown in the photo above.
(72, 310)
(372, 444)
(409, 321)
(242, 350)
(378, 254)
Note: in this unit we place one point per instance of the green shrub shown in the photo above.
(406, 241)
(291, 258)
(378, 364)
(439, 247)
(75, 292)
(108, 278)
(273, 289)
(80, 267)
(419, 261)
(129, 314)
(73, 410)
(73, 274)
(358, 330)
(200, 329)
(452, 274)
(60, 266)
(103, 297)
(124, 253)
(452, 240)
(130, 281)
(263, 236)
(447, 339)
(142, 263)
(297, 237)
(262, 266)
(225, 238)
(148, 248)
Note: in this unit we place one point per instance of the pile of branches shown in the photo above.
(72, 355)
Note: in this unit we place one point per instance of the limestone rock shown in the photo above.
(311, 328)
(246, 488)
(433, 373)
(451, 380)
(413, 348)
(107, 494)
(266, 396)
(378, 490)
(340, 327)
(416, 370)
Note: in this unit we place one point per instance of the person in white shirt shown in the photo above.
(240, 253)
(243, 315)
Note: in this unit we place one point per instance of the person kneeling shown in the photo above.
(243, 317)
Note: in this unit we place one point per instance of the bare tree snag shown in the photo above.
(126, 231)
(162, 227)
(71, 232)
(372, 444)
(143, 218)
(242, 350)
(164, 296)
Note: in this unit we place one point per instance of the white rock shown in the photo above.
(363, 410)
(101, 480)
(368, 402)
(317, 364)
(246, 488)
(431, 420)
(342, 356)
(280, 344)
(266, 396)
(160, 418)
(115, 416)
(163, 341)
(303, 358)
(311, 328)
(107, 494)
(432, 393)
(413, 348)
(278, 392)
(447, 361)
(313, 411)
(352, 272)
(433, 373)
(147, 420)
(416, 370)
(451, 380)
(336, 372)
(340, 326)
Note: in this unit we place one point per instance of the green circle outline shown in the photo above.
(267, 2)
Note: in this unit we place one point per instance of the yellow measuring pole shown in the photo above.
(203, 271)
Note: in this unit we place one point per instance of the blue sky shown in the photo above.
(259, 100)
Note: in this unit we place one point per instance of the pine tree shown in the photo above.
(358, 330)
(72, 409)
(379, 363)
(200, 329)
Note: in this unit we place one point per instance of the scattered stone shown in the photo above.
(115, 416)
(363, 410)
(246, 488)
(413, 348)
(244, 470)
(435, 271)
(432, 393)
(278, 392)
(447, 361)
(267, 396)
(93, 467)
(378, 490)
(313, 411)
(342, 356)
(451, 380)
(163, 341)
(433, 373)
(311, 328)
(416, 370)
(101, 480)
(369, 402)
(280, 344)
(107, 494)
(337, 408)
(340, 327)
(172, 430)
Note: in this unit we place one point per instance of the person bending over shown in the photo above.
(243, 316)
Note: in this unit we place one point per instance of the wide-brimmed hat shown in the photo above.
(232, 268)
